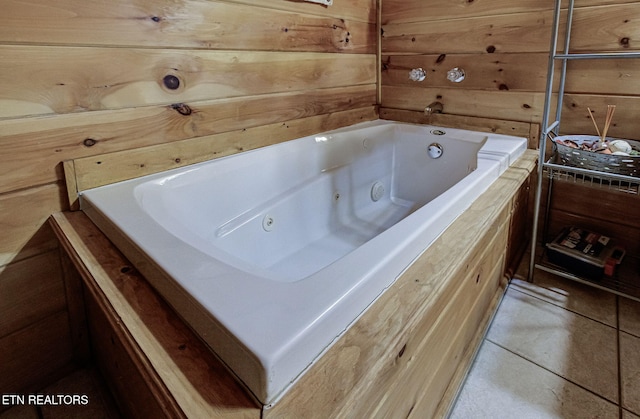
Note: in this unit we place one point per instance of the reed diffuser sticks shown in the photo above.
(601, 144)
(607, 122)
(594, 122)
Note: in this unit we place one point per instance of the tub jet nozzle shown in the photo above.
(377, 191)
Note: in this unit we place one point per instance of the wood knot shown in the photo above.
(625, 42)
(89, 142)
(404, 347)
(171, 82)
(441, 58)
(491, 49)
(181, 108)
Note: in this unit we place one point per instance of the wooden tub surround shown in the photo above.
(406, 356)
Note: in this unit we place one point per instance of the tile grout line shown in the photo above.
(569, 310)
(600, 396)
(619, 404)
(620, 410)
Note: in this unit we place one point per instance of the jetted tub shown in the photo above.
(270, 255)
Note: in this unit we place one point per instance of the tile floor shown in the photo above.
(556, 349)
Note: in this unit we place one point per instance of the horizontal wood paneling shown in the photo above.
(504, 72)
(94, 171)
(503, 46)
(117, 78)
(575, 117)
(513, 72)
(65, 137)
(521, 32)
(402, 11)
(612, 27)
(474, 123)
(519, 106)
(192, 24)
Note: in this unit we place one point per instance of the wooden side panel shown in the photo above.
(520, 227)
(144, 349)
(36, 355)
(121, 370)
(430, 350)
(465, 325)
(357, 376)
(35, 283)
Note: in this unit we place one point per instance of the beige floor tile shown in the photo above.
(582, 350)
(503, 385)
(589, 301)
(629, 316)
(630, 372)
(629, 415)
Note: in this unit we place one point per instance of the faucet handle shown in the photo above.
(455, 75)
(417, 74)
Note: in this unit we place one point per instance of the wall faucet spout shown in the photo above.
(434, 107)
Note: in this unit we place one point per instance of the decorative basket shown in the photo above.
(585, 159)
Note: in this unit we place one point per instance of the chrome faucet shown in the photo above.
(433, 107)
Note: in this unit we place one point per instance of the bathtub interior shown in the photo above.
(265, 323)
(290, 212)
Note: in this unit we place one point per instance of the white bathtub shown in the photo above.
(270, 255)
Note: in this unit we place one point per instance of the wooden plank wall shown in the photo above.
(503, 47)
(81, 78)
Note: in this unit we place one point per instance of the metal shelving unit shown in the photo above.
(626, 282)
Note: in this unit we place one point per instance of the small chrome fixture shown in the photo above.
(417, 74)
(435, 150)
(434, 107)
(455, 75)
